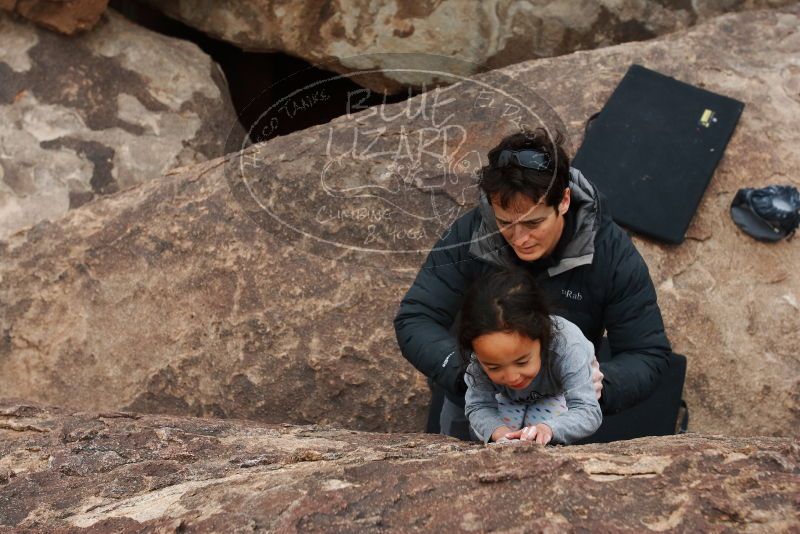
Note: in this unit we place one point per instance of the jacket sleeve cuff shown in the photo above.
(451, 376)
(491, 427)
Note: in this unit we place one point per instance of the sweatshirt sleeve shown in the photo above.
(572, 367)
(480, 402)
(429, 308)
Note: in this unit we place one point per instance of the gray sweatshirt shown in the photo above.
(571, 356)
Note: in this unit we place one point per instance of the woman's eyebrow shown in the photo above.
(537, 219)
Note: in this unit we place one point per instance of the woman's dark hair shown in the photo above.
(504, 301)
(502, 181)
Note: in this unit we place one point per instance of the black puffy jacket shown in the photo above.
(595, 278)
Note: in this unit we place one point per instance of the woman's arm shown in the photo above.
(430, 306)
(632, 318)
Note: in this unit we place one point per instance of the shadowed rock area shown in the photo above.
(125, 472)
(64, 16)
(87, 116)
(263, 286)
(361, 35)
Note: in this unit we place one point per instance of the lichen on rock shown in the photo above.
(87, 116)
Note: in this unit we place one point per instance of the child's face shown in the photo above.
(509, 358)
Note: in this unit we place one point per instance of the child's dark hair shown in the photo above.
(504, 301)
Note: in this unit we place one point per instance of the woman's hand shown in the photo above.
(540, 433)
(597, 378)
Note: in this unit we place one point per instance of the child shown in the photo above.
(528, 373)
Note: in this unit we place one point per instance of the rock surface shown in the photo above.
(364, 35)
(86, 116)
(124, 472)
(64, 16)
(192, 294)
(179, 303)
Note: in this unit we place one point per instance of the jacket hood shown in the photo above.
(489, 245)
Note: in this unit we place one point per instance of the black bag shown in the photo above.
(767, 214)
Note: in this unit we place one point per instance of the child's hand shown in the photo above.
(540, 433)
(500, 433)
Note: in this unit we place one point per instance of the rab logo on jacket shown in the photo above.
(574, 295)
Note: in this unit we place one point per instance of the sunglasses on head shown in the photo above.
(528, 159)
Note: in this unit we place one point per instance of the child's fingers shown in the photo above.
(544, 435)
(528, 433)
(514, 435)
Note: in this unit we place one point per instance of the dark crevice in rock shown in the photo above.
(102, 158)
(5, 344)
(259, 82)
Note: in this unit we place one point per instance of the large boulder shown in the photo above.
(390, 35)
(178, 302)
(64, 16)
(125, 472)
(263, 285)
(90, 115)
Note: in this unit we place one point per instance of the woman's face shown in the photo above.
(509, 358)
(532, 228)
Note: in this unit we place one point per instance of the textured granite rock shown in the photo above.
(125, 472)
(178, 302)
(64, 16)
(364, 35)
(86, 116)
(194, 295)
